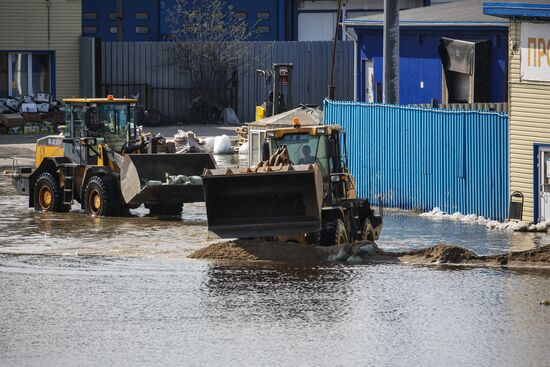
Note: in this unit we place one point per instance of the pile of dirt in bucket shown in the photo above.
(366, 252)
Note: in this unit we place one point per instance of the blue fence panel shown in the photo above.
(420, 158)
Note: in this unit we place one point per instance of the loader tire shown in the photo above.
(48, 196)
(367, 232)
(165, 209)
(334, 233)
(101, 197)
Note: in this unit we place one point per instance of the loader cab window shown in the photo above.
(305, 149)
(75, 118)
(114, 120)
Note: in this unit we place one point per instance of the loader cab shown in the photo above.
(308, 145)
(91, 122)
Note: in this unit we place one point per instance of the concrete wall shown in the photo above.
(25, 26)
(529, 125)
(420, 61)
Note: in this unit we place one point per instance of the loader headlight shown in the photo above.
(335, 178)
(270, 134)
(88, 141)
(321, 131)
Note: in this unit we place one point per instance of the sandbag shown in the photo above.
(222, 145)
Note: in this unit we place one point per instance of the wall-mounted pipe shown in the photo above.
(391, 52)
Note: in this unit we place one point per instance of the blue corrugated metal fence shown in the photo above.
(419, 158)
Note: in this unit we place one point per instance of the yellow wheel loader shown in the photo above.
(302, 190)
(105, 163)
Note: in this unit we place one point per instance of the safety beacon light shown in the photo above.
(296, 122)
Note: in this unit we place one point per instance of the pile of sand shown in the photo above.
(441, 253)
(260, 250)
(366, 252)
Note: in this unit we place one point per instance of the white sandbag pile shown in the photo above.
(182, 180)
(515, 226)
(243, 149)
(222, 145)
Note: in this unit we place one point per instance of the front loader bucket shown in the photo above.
(137, 170)
(243, 203)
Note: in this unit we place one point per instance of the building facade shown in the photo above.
(529, 101)
(450, 52)
(39, 44)
(268, 20)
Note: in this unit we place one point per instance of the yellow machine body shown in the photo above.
(48, 147)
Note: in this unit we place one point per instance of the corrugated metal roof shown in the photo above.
(460, 13)
(518, 9)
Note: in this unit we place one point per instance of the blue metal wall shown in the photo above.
(420, 63)
(273, 26)
(419, 158)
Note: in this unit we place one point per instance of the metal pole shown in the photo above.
(391, 52)
(332, 87)
(119, 15)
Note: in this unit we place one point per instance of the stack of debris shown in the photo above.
(30, 115)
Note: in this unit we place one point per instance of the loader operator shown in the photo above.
(307, 159)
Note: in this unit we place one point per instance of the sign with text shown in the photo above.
(535, 51)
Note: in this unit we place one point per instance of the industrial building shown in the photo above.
(39, 47)
(529, 101)
(269, 20)
(450, 52)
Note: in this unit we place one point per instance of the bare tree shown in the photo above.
(208, 44)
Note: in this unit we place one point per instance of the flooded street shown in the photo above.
(89, 291)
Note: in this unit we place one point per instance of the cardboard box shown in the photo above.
(43, 107)
(12, 120)
(12, 103)
(42, 97)
(29, 107)
(15, 130)
(57, 117)
(31, 116)
(31, 129)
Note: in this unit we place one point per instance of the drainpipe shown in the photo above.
(353, 36)
(391, 52)
(48, 5)
(119, 15)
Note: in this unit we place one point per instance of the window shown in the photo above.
(263, 15)
(113, 16)
(141, 16)
(140, 29)
(240, 15)
(89, 16)
(40, 74)
(263, 29)
(27, 74)
(113, 29)
(19, 74)
(90, 29)
(3, 74)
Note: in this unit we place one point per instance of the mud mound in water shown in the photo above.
(540, 254)
(443, 254)
(258, 250)
(362, 252)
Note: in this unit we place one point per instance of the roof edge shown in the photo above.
(517, 10)
(405, 23)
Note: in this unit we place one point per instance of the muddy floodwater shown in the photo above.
(81, 291)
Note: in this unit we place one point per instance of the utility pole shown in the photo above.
(391, 52)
